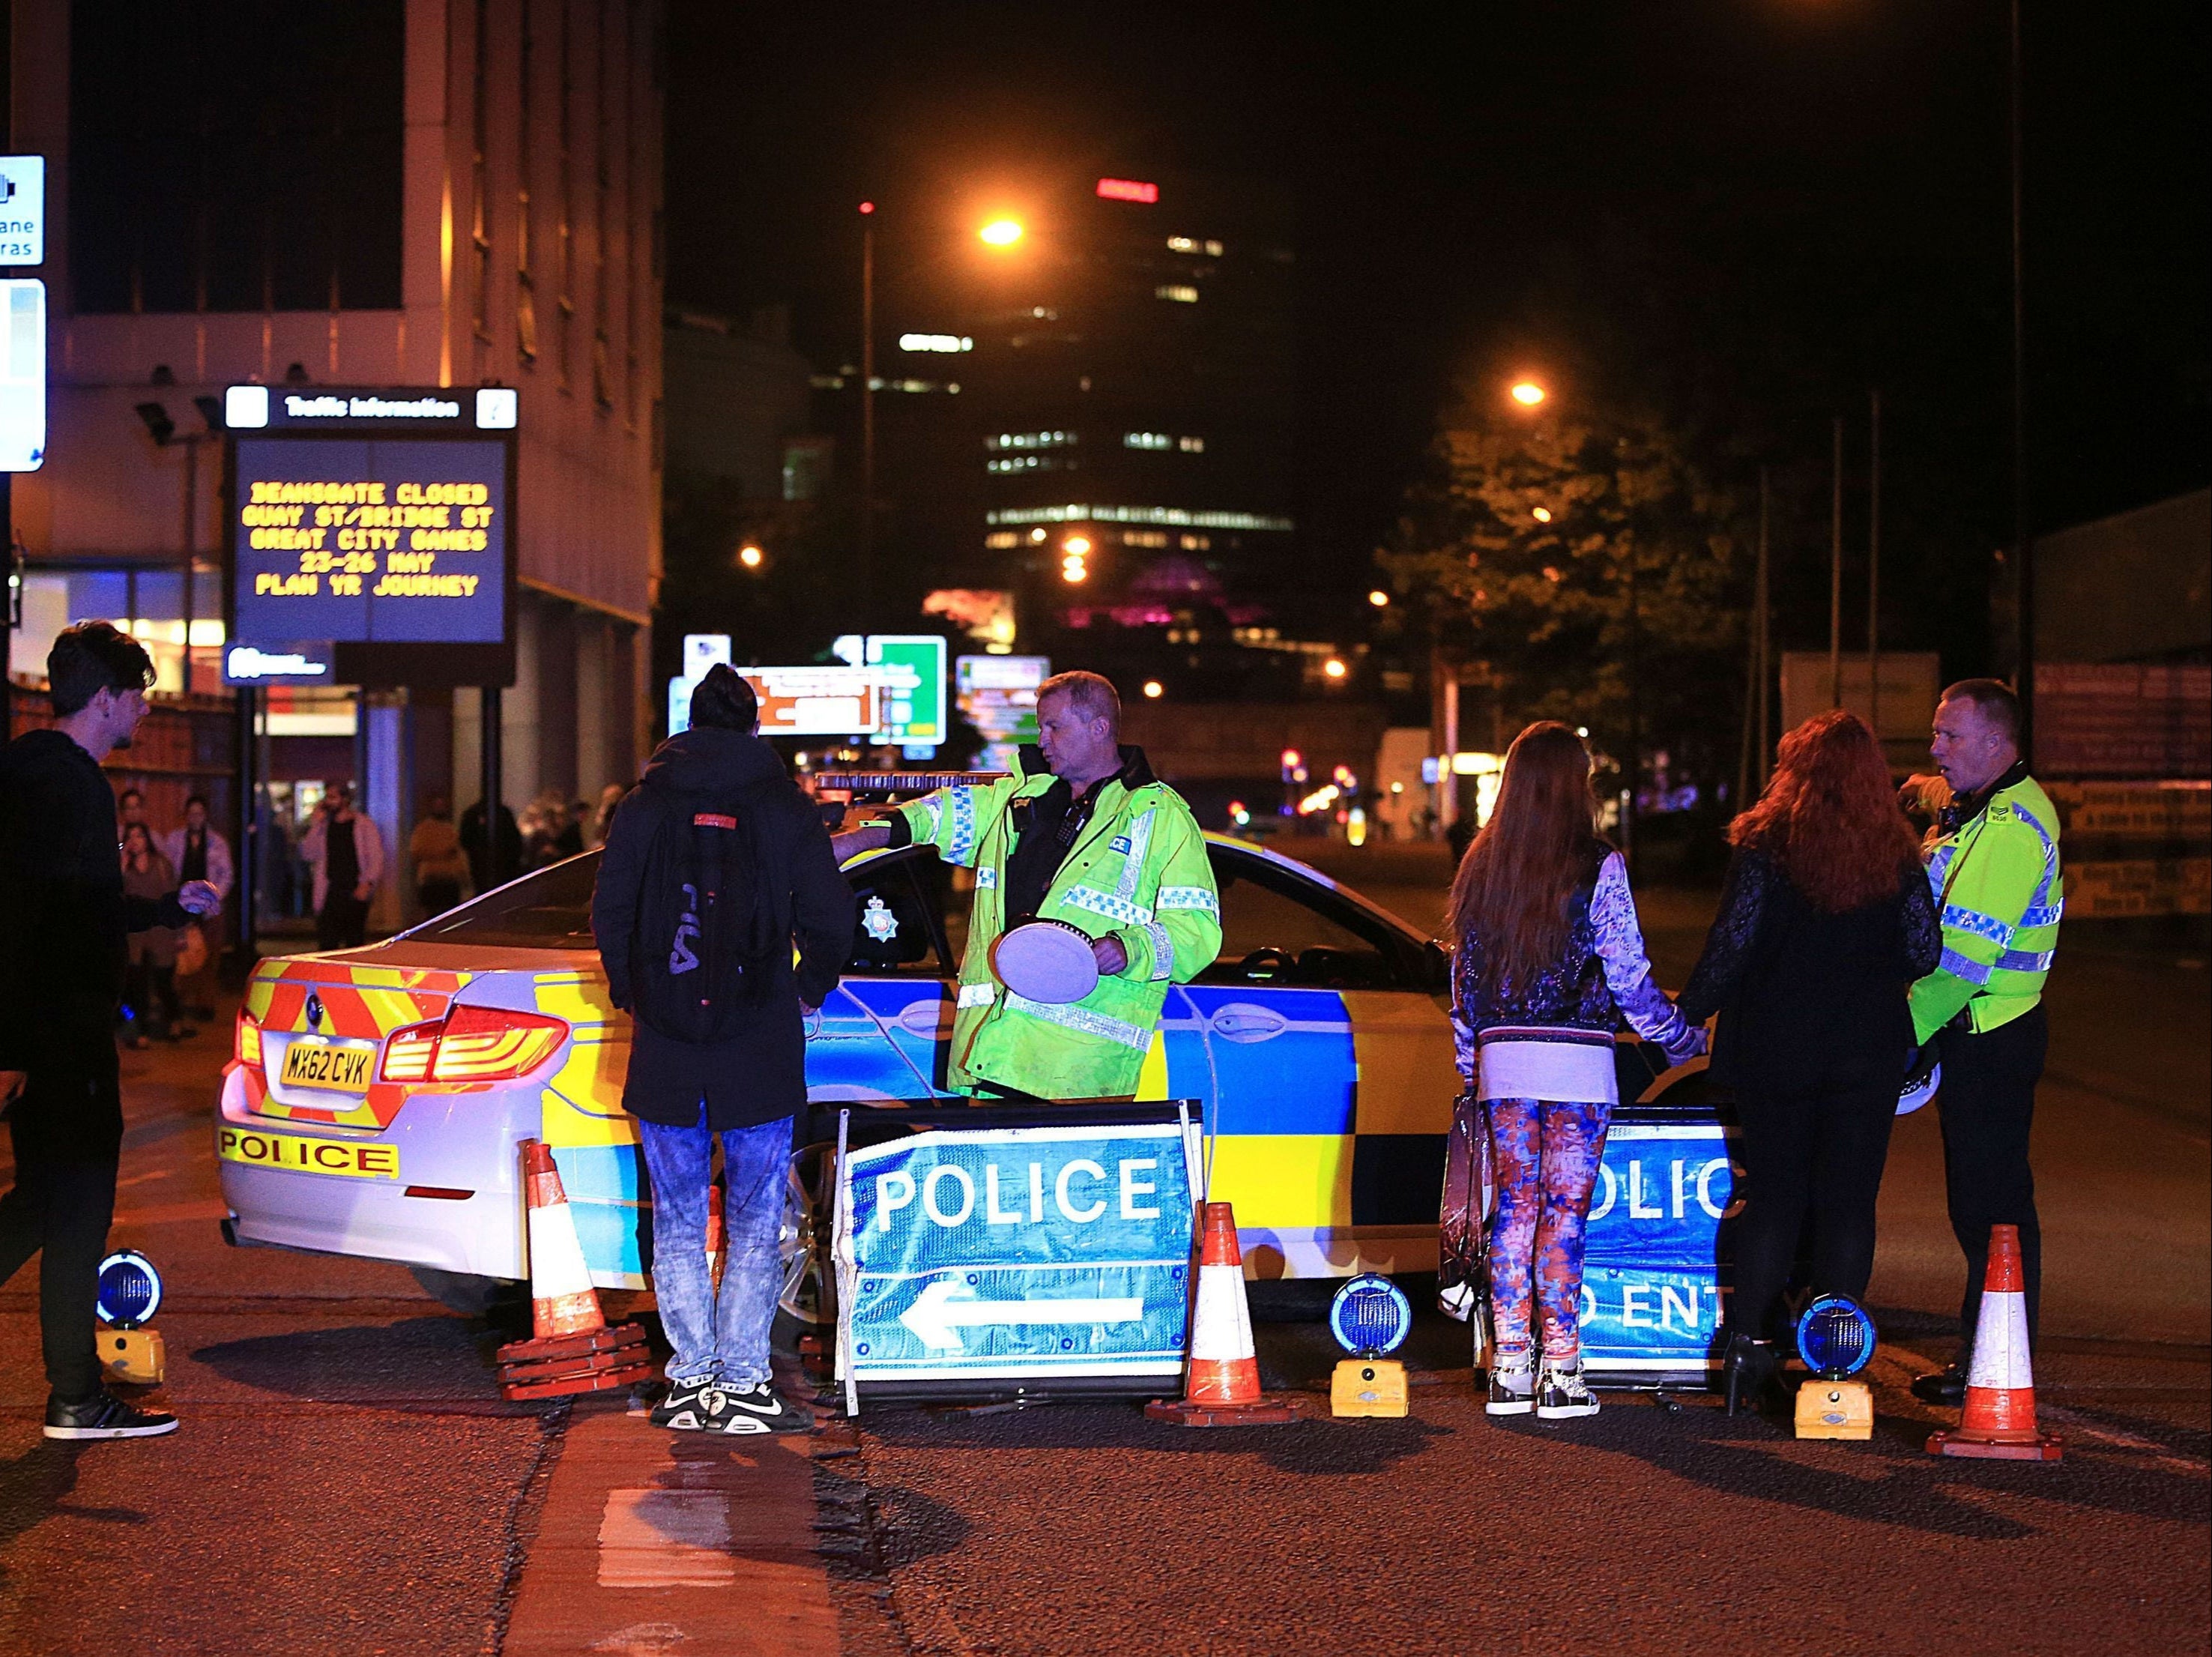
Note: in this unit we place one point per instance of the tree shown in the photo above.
(1590, 564)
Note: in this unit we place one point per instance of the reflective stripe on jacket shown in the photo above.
(1139, 874)
(2000, 893)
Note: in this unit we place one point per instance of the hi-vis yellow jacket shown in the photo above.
(1137, 874)
(1997, 887)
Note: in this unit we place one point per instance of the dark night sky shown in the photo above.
(1765, 205)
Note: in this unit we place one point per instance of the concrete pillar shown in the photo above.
(594, 762)
(467, 779)
(383, 800)
(519, 722)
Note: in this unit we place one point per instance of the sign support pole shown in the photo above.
(10, 596)
(496, 870)
(245, 826)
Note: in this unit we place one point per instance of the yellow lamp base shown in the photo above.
(133, 1356)
(1835, 1408)
(1368, 1386)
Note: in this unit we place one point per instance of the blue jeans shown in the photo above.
(723, 1335)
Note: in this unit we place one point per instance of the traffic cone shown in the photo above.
(571, 1350)
(1999, 1420)
(1222, 1383)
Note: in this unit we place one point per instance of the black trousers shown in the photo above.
(1808, 1154)
(67, 1128)
(1987, 1103)
(343, 922)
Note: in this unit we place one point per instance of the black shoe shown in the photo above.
(691, 1406)
(762, 1408)
(1945, 1387)
(1561, 1392)
(1749, 1371)
(105, 1415)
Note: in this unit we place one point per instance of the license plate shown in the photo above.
(312, 1064)
(347, 1160)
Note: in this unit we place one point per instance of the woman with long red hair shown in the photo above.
(1826, 922)
(1547, 960)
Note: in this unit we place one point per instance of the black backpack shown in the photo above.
(704, 947)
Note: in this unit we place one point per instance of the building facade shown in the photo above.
(1129, 380)
(389, 193)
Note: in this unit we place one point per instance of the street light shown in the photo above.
(1379, 599)
(1154, 690)
(1527, 392)
(1077, 546)
(1334, 668)
(1001, 232)
(750, 556)
(1542, 514)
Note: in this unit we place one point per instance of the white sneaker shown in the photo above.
(1512, 1388)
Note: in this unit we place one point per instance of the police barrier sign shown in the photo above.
(1652, 1301)
(1012, 1252)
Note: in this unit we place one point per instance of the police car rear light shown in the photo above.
(473, 1044)
(246, 1047)
(408, 1052)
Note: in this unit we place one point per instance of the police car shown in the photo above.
(375, 1096)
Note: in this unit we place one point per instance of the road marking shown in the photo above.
(944, 1308)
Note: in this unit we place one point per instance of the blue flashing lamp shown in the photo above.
(1836, 1338)
(130, 1289)
(1371, 1316)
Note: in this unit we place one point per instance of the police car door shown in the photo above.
(1331, 1069)
(883, 1032)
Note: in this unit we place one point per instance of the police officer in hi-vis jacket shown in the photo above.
(1084, 834)
(1993, 865)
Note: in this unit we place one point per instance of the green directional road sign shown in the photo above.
(913, 687)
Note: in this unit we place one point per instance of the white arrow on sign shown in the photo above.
(944, 1308)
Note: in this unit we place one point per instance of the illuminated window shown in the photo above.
(1144, 538)
(1173, 516)
(999, 540)
(936, 342)
(1146, 439)
(1182, 292)
(1023, 440)
(1214, 250)
(1192, 245)
(1196, 543)
(1191, 445)
(1127, 189)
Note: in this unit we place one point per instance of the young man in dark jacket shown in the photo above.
(714, 866)
(62, 920)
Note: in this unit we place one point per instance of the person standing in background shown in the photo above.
(347, 854)
(151, 975)
(129, 807)
(1826, 922)
(434, 849)
(1547, 959)
(1993, 867)
(479, 848)
(198, 852)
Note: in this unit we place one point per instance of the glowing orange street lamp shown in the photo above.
(750, 556)
(1001, 232)
(1076, 547)
(1334, 668)
(1527, 392)
(1154, 690)
(1379, 599)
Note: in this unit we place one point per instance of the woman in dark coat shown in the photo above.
(1826, 922)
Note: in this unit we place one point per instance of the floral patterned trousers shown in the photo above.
(1543, 1156)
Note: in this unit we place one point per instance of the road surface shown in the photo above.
(347, 1479)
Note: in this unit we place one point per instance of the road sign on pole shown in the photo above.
(22, 374)
(913, 707)
(22, 209)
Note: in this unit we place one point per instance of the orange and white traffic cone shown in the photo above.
(1999, 1421)
(1222, 1383)
(571, 1348)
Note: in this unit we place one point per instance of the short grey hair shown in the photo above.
(1091, 695)
(1995, 700)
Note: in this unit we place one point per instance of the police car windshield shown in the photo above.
(550, 909)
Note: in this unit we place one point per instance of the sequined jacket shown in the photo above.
(1601, 977)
